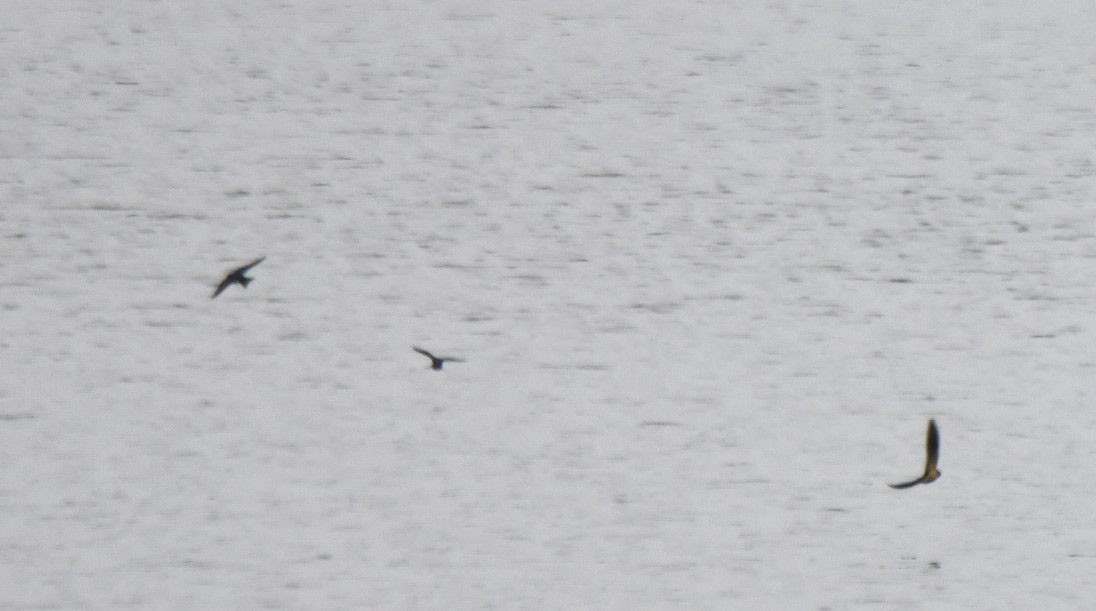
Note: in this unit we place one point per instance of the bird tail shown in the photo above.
(245, 281)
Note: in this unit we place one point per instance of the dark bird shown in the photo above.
(932, 454)
(436, 361)
(237, 277)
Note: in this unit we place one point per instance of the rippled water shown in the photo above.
(711, 265)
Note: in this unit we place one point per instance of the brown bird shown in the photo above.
(237, 276)
(932, 454)
(436, 361)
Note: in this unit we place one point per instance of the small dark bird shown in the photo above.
(436, 361)
(237, 277)
(932, 454)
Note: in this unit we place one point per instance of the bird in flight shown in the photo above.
(932, 454)
(436, 361)
(237, 276)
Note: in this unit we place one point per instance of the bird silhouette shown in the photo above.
(932, 454)
(237, 276)
(436, 362)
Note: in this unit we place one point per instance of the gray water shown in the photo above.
(711, 266)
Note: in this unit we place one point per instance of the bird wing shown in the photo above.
(222, 286)
(932, 447)
(249, 265)
(423, 352)
(907, 484)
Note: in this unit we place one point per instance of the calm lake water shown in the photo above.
(711, 267)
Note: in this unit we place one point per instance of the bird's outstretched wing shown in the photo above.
(244, 269)
(423, 352)
(932, 447)
(907, 484)
(222, 286)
